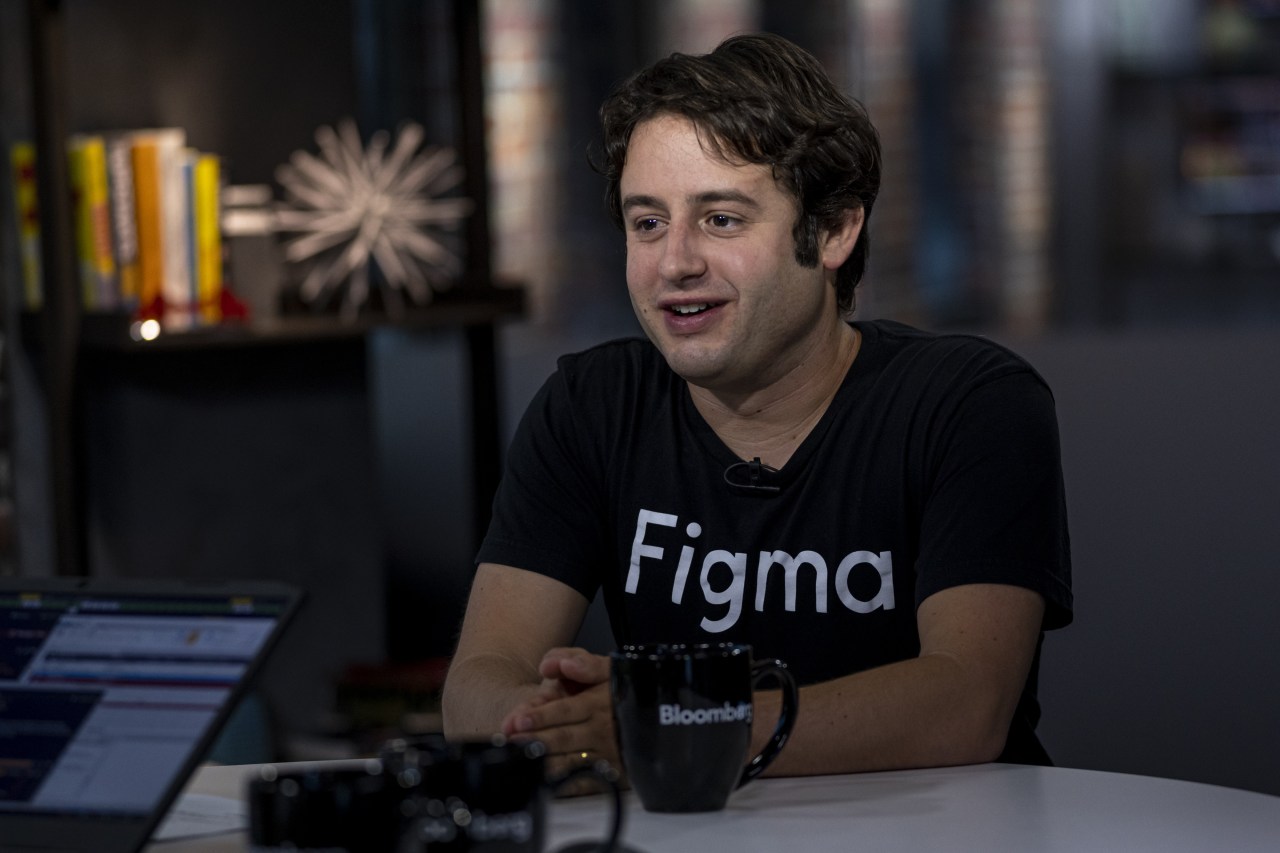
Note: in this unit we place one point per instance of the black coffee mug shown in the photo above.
(683, 715)
(423, 795)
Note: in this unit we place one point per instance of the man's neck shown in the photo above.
(771, 422)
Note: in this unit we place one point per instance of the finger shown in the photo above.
(549, 666)
(562, 735)
(511, 726)
(565, 774)
(560, 766)
(585, 668)
(591, 704)
(574, 666)
(589, 739)
(578, 736)
(551, 688)
(549, 691)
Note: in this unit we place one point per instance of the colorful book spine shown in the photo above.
(175, 205)
(208, 237)
(124, 217)
(146, 192)
(22, 156)
(91, 198)
(147, 225)
(191, 295)
(83, 225)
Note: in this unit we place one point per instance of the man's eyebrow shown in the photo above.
(634, 201)
(716, 196)
(698, 199)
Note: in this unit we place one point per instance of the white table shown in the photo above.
(985, 808)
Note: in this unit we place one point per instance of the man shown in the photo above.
(879, 507)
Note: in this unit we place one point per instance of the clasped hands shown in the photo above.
(571, 712)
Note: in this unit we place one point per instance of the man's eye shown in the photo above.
(647, 224)
(721, 220)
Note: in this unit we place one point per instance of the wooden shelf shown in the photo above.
(457, 308)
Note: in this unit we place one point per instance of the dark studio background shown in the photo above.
(1040, 188)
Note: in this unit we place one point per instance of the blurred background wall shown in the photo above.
(1094, 182)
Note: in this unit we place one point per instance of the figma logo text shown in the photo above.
(733, 593)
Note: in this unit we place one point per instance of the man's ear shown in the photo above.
(838, 243)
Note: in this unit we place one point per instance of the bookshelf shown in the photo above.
(62, 338)
(119, 333)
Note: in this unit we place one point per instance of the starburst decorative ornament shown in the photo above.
(355, 207)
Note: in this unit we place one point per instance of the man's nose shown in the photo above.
(682, 257)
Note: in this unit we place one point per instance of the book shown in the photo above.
(207, 189)
(124, 217)
(147, 225)
(175, 207)
(90, 195)
(163, 209)
(188, 312)
(145, 154)
(22, 157)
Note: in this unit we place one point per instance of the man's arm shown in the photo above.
(513, 618)
(951, 705)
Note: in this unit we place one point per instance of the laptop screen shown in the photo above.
(106, 695)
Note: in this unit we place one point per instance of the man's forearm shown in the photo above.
(917, 713)
(479, 693)
(503, 640)
(950, 705)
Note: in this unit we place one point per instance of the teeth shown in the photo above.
(690, 309)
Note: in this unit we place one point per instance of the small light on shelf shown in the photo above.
(145, 330)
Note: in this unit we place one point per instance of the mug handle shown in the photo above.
(604, 772)
(761, 670)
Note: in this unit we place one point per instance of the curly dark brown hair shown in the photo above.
(761, 99)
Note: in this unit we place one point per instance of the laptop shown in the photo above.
(111, 693)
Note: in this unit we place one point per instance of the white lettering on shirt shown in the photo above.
(716, 591)
(639, 550)
(791, 565)
(686, 559)
(883, 563)
(730, 595)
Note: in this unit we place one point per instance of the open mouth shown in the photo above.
(689, 310)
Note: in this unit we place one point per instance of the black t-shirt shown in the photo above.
(936, 464)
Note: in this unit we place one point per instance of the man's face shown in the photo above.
(711, 266)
